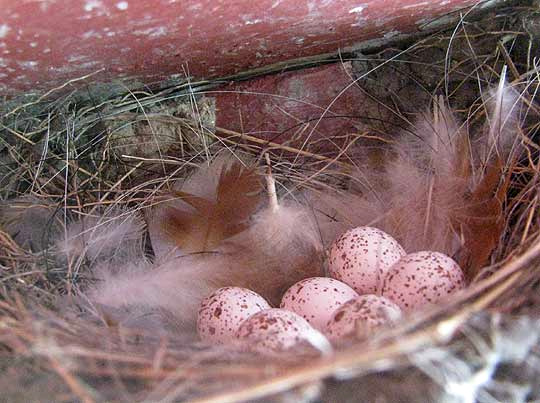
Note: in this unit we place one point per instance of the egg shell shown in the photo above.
(361, 316)
(222, 312)
(362, 256)
(316, 298)
(278, 330)
(422, 278)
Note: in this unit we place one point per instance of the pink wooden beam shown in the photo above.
(44, 43)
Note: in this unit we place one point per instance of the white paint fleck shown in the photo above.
(122, 5)
(75, 67)
(298, 40)
(251, 22)
(360, 19)
(30, 64)
(33, 44)
(47, 50)
(91, 34)
(77, 58)
(4, 29)
(88, 65)
(153, 32)
(357, 10)
(92, 5)
(276, 3)
(416, 5)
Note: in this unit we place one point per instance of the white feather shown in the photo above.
(281, 247)
(115, 235)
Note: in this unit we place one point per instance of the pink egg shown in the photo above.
(422, 278)
(361, 316)
(223, 311)
(278, 330)
(361, 258)
(316, 298)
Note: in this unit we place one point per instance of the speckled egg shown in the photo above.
(223, 311)
(316, 298)
(361, 316)
(422, 278)
(361, 258)
(277, 330)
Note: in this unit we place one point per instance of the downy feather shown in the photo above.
(439, 190)
(279, 249)
(280, 246)
(114, 236)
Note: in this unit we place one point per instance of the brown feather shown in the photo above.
(209, 222)
(482, 220)
(483, 223)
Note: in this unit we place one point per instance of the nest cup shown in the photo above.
(84, 155)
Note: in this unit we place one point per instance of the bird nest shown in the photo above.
(69, 156)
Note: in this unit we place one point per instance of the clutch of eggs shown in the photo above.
(372, 262)
(237, 314)
(374, 280)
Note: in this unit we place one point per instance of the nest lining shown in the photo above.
(67, 155)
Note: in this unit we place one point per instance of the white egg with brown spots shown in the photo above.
(422, 278)
(361, 258)
(223, 311)
(278, 330)
(361, 316)
(316, 298)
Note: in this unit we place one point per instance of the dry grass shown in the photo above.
(70, 155)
